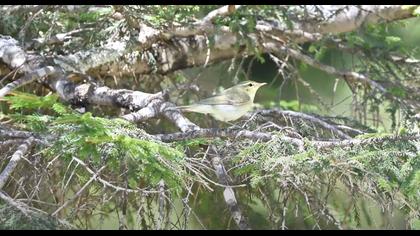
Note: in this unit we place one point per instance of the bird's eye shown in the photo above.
(250, 85)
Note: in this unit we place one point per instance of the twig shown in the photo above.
(11, 202)
(214, 133)
(346, 75)
(22, 32)
(161, 187)
(362, 142)
(228, 193)
(81, 190)
(58, 38)
(107, 184)
(304, 116)
(16, 157)
(226, 133)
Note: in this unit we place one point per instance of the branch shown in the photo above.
(108, 184)
(18, 205)
(227, 133)
(37, 74)
(16, 157)
(56, 39)
(185, 47)
(307, 117)
(15, 134)
(350, 75)
(144, 105)
(88, 93)
(346, 18)
(214, 133)
(76, 195)
(8, 143)
(228, 193)
(346, 75)
(321, 145)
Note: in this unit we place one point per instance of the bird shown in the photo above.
(230, 104)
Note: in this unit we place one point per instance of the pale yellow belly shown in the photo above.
(228, 112)
(220, 112)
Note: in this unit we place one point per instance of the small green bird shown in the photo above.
(230, 104)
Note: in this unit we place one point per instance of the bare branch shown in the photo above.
(346, 18)
(16, 157)
(11, 202)
(37, 74)
(58, 38)
(108, 184)
(214, 133)
(362, 142)
(144, 105)
(228, 193)
(6, 133)
(78, 193)
(304, 117)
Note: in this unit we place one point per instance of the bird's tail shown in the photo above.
(193, 108)
(184, 108)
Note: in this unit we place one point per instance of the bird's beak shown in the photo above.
(261, 84)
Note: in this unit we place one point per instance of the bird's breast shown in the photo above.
(230, 112)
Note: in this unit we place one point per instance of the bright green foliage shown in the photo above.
(388, 169)
(29, 101)
(101, 141)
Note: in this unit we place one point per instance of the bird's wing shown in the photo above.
(226, 99)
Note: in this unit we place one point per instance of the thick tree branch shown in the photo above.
(346, 18)
(143, 105)
(8, 133)
(185, 47)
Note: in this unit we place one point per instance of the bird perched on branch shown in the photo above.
(230, 104)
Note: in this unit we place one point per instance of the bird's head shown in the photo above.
(250, 87)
